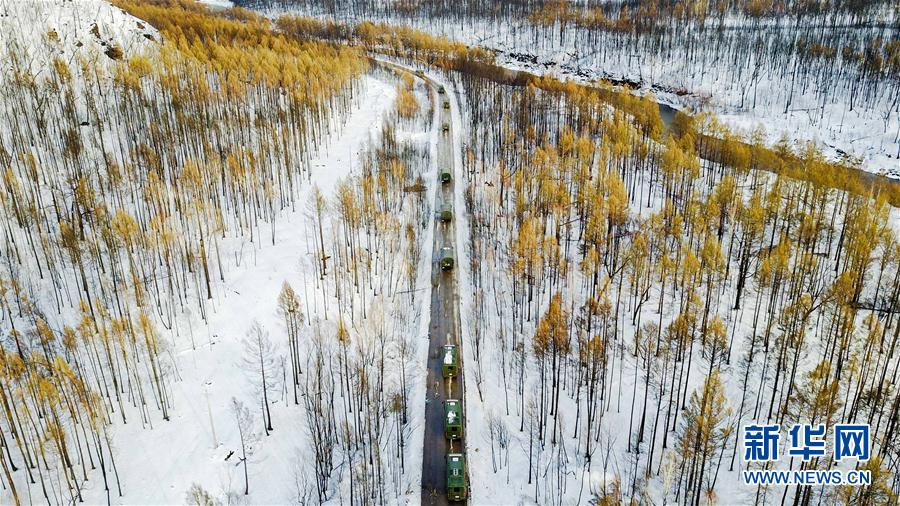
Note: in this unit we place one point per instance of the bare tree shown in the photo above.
(259, 360)
(289, 309)
(244, 420)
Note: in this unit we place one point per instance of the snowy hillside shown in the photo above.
(83, 29)
(177, 295)
(594, 359)
(733, 70)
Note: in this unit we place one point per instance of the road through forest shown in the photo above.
(443, 328)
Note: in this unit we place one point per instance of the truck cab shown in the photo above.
(446, 258)
(446, 213)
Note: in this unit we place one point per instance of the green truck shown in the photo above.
(446, 258)
(446, 127)
(446, 213)
(457, 486)
(445, 176)
(446, 104)
(450, 364)
(453, 427)
(441, 90)
(420, 73)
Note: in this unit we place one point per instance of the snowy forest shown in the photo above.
(234, 237)
(805, 70)
(141, 176)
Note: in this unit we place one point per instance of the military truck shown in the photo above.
(450, 363)
(445, 176)
(420, 73)
(441, 90)
(446, 104)
(446, 258)
(457, 486)
(446, 213)
(453, 427)
(446, 127)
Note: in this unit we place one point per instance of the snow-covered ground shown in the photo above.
(72, 23)
(748, 102)
(871, 135)
(159, 465)
(508, 465)
(157, 460)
